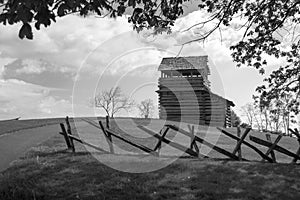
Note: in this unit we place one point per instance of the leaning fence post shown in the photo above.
(193, 144)
(239, 149)
(298, 152)
(239, 143)
(163, 134)
(268, 137)
(65, 134)
(107, 122)
(297, 134)
(192, 130)
(69, 131)
(108, 138)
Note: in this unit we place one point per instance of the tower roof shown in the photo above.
(185, 63)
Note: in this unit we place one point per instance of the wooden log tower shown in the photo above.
(185, 95)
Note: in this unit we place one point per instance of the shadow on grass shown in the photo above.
(64, 175)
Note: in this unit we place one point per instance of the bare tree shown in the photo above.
(146, 108)
(262, 116)
(112, 101)
(286, 114)
(274, 115)
(248, 111)
(254, 116)
(235, 119)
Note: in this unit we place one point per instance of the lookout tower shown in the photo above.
(185, 95)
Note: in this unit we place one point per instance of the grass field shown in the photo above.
(16, 125)
(48, 171)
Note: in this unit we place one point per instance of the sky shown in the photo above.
(66, 64)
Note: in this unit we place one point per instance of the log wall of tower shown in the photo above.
(187, 99)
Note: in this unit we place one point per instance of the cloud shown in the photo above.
(29, 70)
(38, 72)
(66, 43)
(57, 52)
(30, 66)
(55, 107)
(28, 100)
(11, 89)
(137, 59)
(4, 61)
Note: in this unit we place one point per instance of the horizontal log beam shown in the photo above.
(85, 143)
(139, 146)
(277, 148)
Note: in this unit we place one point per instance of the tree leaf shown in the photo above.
(25, 15)
(62, 10)
(26, 32)
(131, 3)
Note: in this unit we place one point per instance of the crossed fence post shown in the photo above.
(67, 133)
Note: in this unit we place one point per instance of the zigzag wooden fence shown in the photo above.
(193, 149)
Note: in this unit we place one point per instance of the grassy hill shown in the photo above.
(49, 171)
